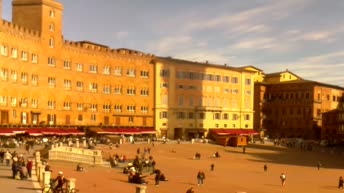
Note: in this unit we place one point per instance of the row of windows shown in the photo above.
(13, 53)
(299, 95)
(51, 118)
(67, 64)
(93, 87)
(192, 101)
(51, 104)
(201, 115)
(203, 76)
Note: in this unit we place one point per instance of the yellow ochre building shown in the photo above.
(47, 81)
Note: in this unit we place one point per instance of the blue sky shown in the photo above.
(304, 36)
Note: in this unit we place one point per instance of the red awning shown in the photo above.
(233, 131)
(4, 132)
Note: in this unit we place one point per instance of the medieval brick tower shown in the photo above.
(44, 16)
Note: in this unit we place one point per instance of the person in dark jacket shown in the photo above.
(200, 177)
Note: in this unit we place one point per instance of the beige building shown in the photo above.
(193, 98)
(47, 80)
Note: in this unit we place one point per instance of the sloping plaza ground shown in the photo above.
(234, 171)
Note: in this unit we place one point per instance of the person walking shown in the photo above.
(212, 166)
(29, 165)
(200, 177)
(340, 182)
(8, 157)
(319, 165)
(265, 168)
(283, 178)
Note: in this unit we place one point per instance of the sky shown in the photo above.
(304, 36)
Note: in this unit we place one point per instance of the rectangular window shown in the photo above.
(144, 92)
(4, 74)
(79, 67)
(93, 87)
(67, 84)
(201, 115)
(34, 80)
(14, 76)
(24, 55)
(67, 64)
(24, 77)
(107, 70)
(131, 91)
(4, 50)
(144, 74)
(34, 58)
(164, 85)
(180, 100)
(107, 89)
(79, 85)
(164, 73)
(51, 61)
(107, 108)
(118, 108)
(225, 116)
(163, 115)
(79, 117)
(235, 91)
(234, 80)
(34, 103)
(131, 119)
(67, 106)
(118, 90)
(118, 71)
(191, 115)
(80, 107)
(131, 108)
(131, 72)
(94, 107)
(217, 116)
(180, 115)
(13, 101)
(14, 53)
(144, 110)
(51, 104)
(93, 68)
(248, 81)
(3, 100)
(51, 82)
(247, 117)
(235, 117)
(93, 117)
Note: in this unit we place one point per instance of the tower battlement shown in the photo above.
(18, 28)
(86, 45)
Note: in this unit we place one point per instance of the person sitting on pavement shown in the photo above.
(79, 168)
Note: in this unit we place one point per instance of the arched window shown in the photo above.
(52, 27)
(51, 42)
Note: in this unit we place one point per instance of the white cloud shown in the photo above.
(168, 44)
(261, 43)
(121, 34)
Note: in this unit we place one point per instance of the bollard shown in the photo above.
(40, 174)
(38, 156)
(37, 165)
(46, 182)
(77, 143)
(84, 143)
(72, 185)
(141, 189)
